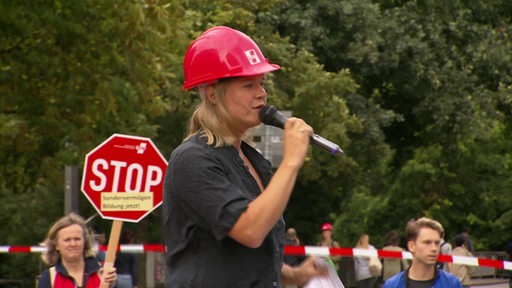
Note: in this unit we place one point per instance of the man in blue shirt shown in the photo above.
(423, 241)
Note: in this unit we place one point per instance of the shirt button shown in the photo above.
(274, 284)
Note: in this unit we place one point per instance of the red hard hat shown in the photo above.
(326, 226)
(223, 52)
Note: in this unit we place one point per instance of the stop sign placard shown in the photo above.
(123, 177)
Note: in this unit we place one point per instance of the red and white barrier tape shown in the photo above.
(326, 251)
(128, 248)
(298, 250)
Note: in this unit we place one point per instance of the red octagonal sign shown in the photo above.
(123, 177)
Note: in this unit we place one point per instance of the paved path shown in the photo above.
(489, 283)
(496, 285)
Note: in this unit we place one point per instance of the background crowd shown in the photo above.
(360, 275)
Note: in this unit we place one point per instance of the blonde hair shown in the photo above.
(412, 229)
(364, 241)
(213, 120)
(51, 256)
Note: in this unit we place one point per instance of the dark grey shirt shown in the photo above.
(206, 189)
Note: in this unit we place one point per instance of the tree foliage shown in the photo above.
(72, 73)
(439, 74)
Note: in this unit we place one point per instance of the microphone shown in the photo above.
(270, 116)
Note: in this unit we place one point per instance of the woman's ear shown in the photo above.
(210, 94)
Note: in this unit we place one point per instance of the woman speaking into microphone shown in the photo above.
(223, 206)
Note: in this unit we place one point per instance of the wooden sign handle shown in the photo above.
(113, 242)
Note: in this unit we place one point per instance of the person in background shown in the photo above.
(508, 256)
(423, 241)
(292, 239)
(99, 240)
(328, 241)
(364, 277)
(223, 205)
(69, 253)
(461, 271)
(446, 249)
(126, 263)
(291, 236)
(468, 241)
(391, 266)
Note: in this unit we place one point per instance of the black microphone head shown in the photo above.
(270, 116)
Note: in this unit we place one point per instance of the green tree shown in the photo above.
(433, 83)
(417, 93)
(72, 73)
